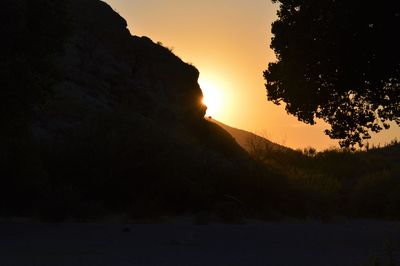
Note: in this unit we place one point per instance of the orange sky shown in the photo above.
(228, 41)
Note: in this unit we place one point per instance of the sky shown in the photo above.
(228, 41)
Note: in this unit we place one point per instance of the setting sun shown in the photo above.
(211, 97)
(231, 51)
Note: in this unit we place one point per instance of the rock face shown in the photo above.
(116, 122)
(104, 67)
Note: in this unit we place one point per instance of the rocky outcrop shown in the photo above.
(104, 68)
(117, 120)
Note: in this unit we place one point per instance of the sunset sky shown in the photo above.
(228, 41)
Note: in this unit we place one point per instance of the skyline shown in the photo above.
(228, 41)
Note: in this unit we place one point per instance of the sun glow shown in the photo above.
(211, 98)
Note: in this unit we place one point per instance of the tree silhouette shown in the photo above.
(337, 60)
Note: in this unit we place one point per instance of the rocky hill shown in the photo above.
(96, 120)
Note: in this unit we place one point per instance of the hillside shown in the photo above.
(248, 140)
(96, 120)
(362, 183)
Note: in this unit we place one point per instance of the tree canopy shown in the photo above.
(338, 60)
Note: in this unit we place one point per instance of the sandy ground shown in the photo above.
(183, 243)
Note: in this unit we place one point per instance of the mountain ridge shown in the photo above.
(247, 139)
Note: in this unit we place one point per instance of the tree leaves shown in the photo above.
(339, 61)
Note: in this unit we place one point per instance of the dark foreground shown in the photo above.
(183, 243)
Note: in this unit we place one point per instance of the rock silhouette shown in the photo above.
(118, 124)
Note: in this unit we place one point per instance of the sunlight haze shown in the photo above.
(228, 41)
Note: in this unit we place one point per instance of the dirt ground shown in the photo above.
(355, 242)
